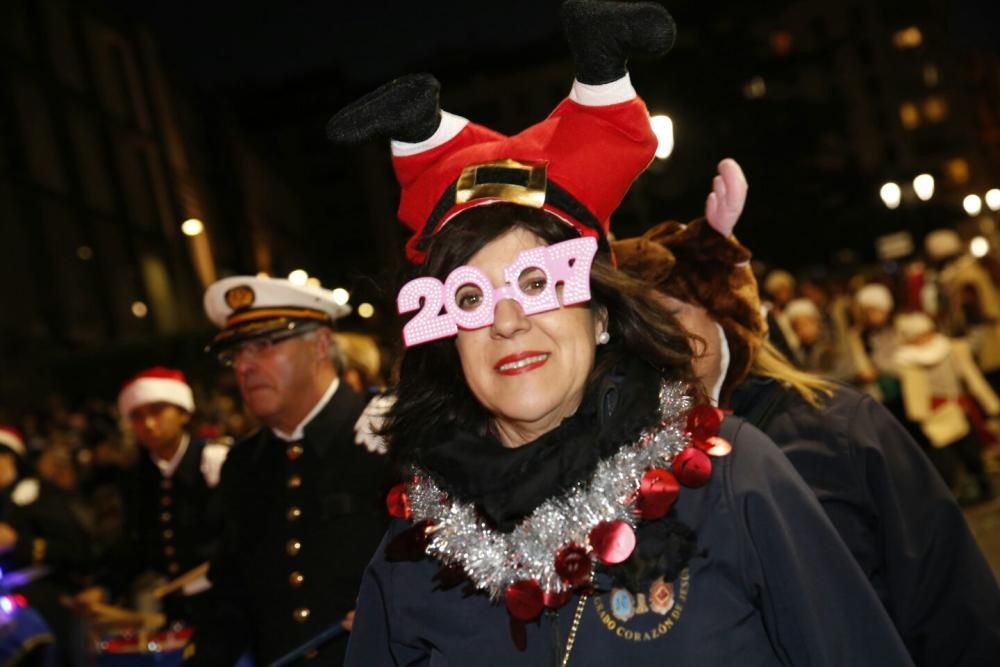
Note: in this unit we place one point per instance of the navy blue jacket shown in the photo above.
(299, 521)
(895, 513)
(774, 586)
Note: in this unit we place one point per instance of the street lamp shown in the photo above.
(663, 128)
(993, 199)
(341, 296)
(891, 195)
(979, 246)
(192, 227)
(923, 186)
(972, 205)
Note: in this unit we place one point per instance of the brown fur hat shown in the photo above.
(696, 264)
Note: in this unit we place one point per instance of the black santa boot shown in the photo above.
(603, 34)
(405, 109)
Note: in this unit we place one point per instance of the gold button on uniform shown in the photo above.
(296, 579)
(301, 614)
(165, 483)
(294, 513)
(294, 452)
(166, 500)
(168, 534)
(165, 517)
(168, 551)
(293, 547)
(173, 568)
(295, 481)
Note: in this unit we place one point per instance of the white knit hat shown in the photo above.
(913, 325)
(874, 295)
(801, 308)
(943, 243)
(156, 385)
(776, 279)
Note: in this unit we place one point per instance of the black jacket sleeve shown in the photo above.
(941, 591)
(817, 605)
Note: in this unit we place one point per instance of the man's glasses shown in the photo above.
(258, 347)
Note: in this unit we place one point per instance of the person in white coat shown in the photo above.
(944, 391)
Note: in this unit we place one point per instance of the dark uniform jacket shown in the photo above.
(172, 524)
(51, 530)
(301, 520)
(773, 585)
(894, 512)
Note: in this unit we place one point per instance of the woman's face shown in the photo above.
(529, 372)
(706, 354)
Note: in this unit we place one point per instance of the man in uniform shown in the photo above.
(303, 505)
(173, 512)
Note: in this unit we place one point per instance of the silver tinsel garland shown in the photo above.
(493, 560)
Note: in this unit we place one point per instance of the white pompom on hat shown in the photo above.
(942, 244)
(801, 308)
(911, 326)
(874, 295)
(156, 385)
(13, 440)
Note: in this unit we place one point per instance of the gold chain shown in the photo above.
(571, 638)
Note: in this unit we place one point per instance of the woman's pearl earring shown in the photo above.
(603, 338)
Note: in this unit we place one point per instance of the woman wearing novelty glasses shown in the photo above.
(570, 496)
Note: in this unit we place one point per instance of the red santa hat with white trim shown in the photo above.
(577, 164)
(12, 439)
(156, 385)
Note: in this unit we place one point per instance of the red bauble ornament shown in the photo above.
(573, 565)
(657, 492)
(703, 421)
(554, 600)
(612, 541)
(692, 467)
(524, 599)
(397, 502)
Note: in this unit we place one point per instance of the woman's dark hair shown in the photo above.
(433, 399)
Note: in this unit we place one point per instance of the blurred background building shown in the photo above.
(149, 148)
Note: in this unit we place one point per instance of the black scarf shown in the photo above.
(508, 484)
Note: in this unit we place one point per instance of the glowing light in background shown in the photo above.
(972, 204)
(993, 199)
(663, 128)
(891, 194)
(192, 227)
(298, 277)
(923, 185)
(366, 310)
(139, 309)
(341, 296)
(979, 246)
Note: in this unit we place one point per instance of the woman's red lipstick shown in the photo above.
(522, 362)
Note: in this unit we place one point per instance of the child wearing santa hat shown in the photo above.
(172, 517)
